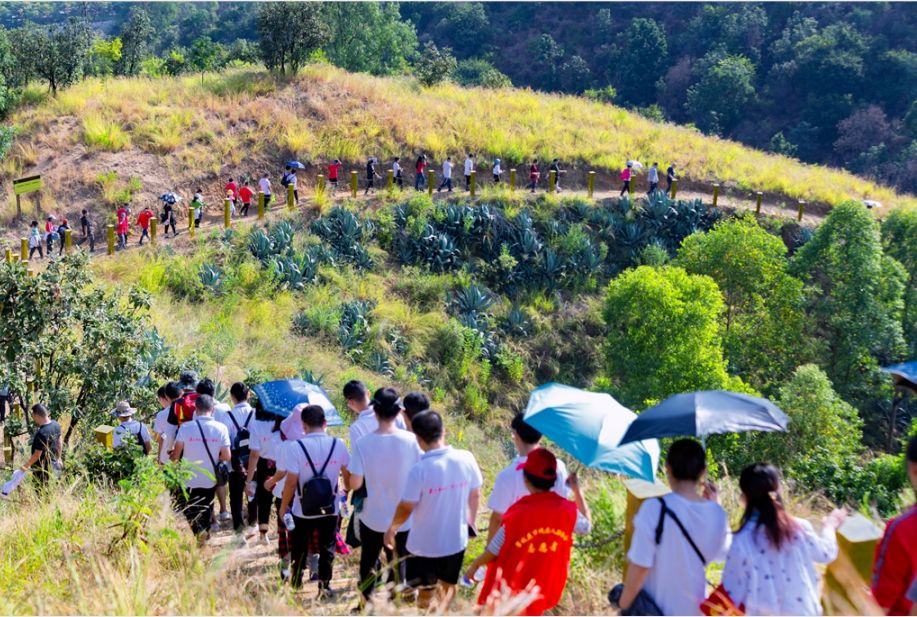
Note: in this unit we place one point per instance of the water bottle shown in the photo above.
(479, 575)
(253, 488)
(344, 509)
(288, 521)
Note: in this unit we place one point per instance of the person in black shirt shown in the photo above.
(86, 229)
(371, 175)
(669, 178)
(46, 448)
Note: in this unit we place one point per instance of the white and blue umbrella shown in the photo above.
(904, 375)
(281, 396)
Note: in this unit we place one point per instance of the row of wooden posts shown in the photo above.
(354, 185)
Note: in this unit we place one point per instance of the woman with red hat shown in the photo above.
(530, 553)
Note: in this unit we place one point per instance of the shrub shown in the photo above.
(103, 134)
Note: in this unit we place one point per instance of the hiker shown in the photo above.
(245, 196)
(50, 234)
(197, 202)
(497, 171)
(670, 178)
(262, 465)
(398, 172)
(534, 175)
(770, 567)
(420, 180)
(46, 447)
(652, 176)
(231, 196)
(143, 219)
(313, 465)
(667, 566)
(442, 492)
(205, 443)
(167, 216)
(356, 395)
(509, 485)
(895, 564)
(289, 179)
(626, 175)
(86, 230)
(371, 175)
(165, 432)
(334, 172)
(276, 483)
(62, 230)
(414, 404)
(469, 167)
(264, 185)
(447, 175)
(206, 386)
(35, 241)
(533, 542)
(381, 462)
(231, 189)
(555, 167)
(238, 422)
(128, 429)
(123, 225)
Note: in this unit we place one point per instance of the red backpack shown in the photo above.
(182, 409)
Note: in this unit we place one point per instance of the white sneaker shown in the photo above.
(225, 516)
(215, 527)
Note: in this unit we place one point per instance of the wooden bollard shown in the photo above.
(630, 187)
(68, 240)
(23, 249)
(849, 575)
(716, 194)
(474, 177)
(431, 178)
(674, 189)
(390, 179)
(15, 258)
(802, 209)
(260, 205)
(30, 272)
(320, 184)
(638, 491)
(154, 227)
(9, 256)
(591, 183)
(191, 221)
(552, 181)
(512, 179)
(758, 196)
(111, 239)
(104, 435)
(353, 184)
(227, 214)
(291, 197)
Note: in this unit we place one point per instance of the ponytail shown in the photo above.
(760, 484)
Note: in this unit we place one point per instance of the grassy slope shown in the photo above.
(175, 133)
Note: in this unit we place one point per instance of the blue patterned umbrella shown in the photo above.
(295, 165)
(904, 375)
(280, 397)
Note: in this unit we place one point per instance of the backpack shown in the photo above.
(240, 444)
(144, 445)
(285, 180)
(624, 175)
(317, 495)
(182, 409)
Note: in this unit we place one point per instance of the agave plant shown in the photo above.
(472, 300)
(211, 277)
(310, 377)
(517, 323)
(378, 362)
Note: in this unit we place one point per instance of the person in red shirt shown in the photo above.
(245, 195)
(530, 553)
(895, 565)
(334, 172)
(534, 175)
(143, 219)
(419, 179)
(626, 175)
(123, 226)
(231, 186)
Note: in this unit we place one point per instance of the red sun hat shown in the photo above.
(541, 463)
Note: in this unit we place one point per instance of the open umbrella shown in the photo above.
(589, 425)
(280, 397)
(295, 165)
(904, 375)
(708, 412)
(635, 164)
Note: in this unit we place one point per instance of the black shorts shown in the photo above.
(428, 571)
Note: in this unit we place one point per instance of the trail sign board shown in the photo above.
(27, 185)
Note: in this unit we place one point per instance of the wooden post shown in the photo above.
(227, 217)
(637, 492)
(431, 178)
(512, 179)
(591, 183)
(474, 177)
(9, 255)
(154, 226)
(30, 272)
(68, 241)
(111, 239)
(23, 249)
(18, 207)
(191, 221)
(758, 196)
(674, 189)
(353, 184)
(260, 206)
(630, 187)
(320, 184)
(802, 209)
(716, 194)
(552, 180)
(291, 197)
(390, 179)
(848, 577)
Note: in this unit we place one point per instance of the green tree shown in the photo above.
(288, 32)
(574, 75)
(663, 334)
(369, 37)
(105, 55)
(203, 55)
(434, 65)
(56, 54)
(476, 72)
(643, 61)
(135, 35)
(465, 27)
(175, 62)
(856, 299)
(899, 239)
(723, 87)
(765, 320)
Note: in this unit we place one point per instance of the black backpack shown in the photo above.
(318, 493)
(285, 180)
(240, 444)
(143, 444)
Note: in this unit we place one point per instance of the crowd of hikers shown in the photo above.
(242, 194)
(413, 504)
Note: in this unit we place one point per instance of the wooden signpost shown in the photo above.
(23, 186)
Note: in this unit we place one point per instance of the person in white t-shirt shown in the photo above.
(262, 465)
(443, 491)
(315, 455)
(671, 571)
(206, 386)
(469, 167)
(447, 175)
(382, 461)
(165, 432)
(509, 485)
(128, 429)
(264, 185)
(356, 394)
(240, 416)
(204, 442)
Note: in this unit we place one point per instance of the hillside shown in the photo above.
(174, 133)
